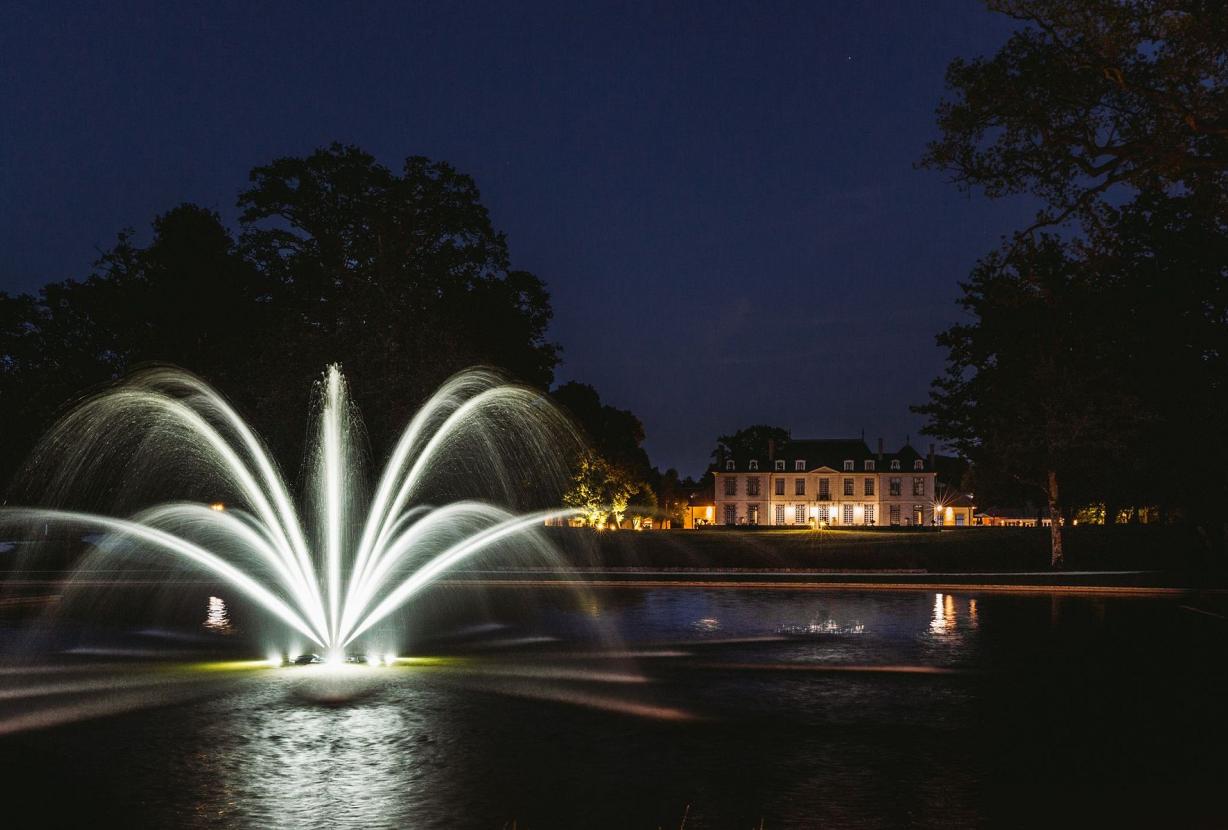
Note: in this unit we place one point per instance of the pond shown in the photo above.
(877, 709)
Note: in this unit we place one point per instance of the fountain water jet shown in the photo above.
(370, 565)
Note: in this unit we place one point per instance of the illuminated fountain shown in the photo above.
(366, 554)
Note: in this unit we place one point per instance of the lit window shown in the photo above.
(752, 514)
(780, 514)
(799, 514)
(799, 464)
(893, 486)
(848, 464)
(895, 463)
(918, 464)
(799, 486)
(894, 514)
(824, 513)
(728, 465)
(848, 514)
(869, 515)
(754, 465)
(780, 463)
(918, 486)
(869, 464)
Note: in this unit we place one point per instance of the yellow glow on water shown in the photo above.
(218, 506)
(231, 665)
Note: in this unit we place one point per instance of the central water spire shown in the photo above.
(334, 484)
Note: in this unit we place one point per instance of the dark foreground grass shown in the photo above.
(1175, 549)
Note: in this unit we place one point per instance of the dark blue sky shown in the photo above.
(720, 196)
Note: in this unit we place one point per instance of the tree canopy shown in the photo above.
(1087, 101)
(754, 441)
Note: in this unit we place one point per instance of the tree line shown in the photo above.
(1090, 367)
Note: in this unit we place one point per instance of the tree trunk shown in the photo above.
(1056, 560)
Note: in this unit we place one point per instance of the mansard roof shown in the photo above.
(831, 453)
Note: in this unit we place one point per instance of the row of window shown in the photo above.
(894, 486)
(800, 464)
(847, 514)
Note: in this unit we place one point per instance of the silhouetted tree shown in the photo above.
(1031, 388)
(1089, 101)
(400, 278)
(615, 434)
(749, 442)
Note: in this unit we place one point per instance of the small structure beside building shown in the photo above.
(1012, 517)
(700, 510)
(954, 509)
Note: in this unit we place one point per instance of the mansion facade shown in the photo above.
(835, 482)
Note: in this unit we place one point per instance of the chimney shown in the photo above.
(880, 449)
(931, 457)
(771, 449)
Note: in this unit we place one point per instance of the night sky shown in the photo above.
(721, 197)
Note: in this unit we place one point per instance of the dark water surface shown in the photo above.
(917, 709)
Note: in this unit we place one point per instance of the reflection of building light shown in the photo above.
(939, 623)
(218, 506)
(216, 616)
(943, 621)
(972, 612)
(709, 512)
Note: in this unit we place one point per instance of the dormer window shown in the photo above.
(780, 464)
(895, 463)
(869, 465)
(848, 464)
(918, 464)
(799, 464)
(754, 465)
(728, 465)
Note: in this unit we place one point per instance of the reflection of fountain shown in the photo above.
(827, 627)
(475, 433)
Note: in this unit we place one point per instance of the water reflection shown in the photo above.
(903, 724)
(943, 620)
(217, 617)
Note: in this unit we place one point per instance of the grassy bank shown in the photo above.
(988, 549)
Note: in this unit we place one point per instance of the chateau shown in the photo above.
(832, 481)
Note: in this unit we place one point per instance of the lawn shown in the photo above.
(1119, 547)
